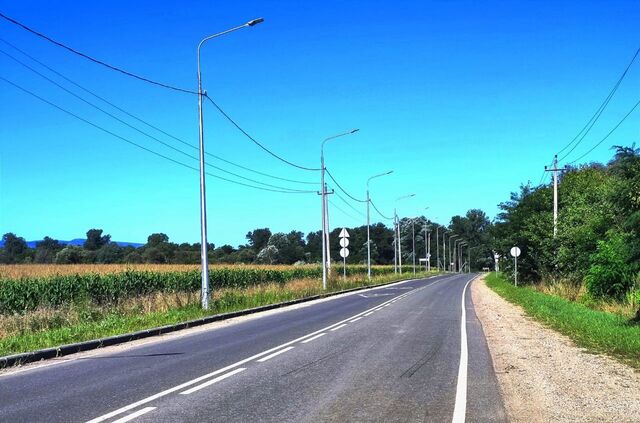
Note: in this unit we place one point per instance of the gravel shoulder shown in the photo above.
(544, 377)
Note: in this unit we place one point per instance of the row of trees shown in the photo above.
(598, 239)
(265, 247)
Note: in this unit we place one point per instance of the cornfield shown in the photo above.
(24, 288)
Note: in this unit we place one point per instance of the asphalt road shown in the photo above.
(394, 354)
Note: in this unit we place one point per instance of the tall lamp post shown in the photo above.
(451, 237)
(369, 222)
(204, 258)
(398, 242)
(325, 217)
(427, 244)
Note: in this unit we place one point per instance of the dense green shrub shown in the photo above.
(610, 274)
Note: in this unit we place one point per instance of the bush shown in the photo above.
(610, 274)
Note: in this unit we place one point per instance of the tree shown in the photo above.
(258, 238)
(70, 255)
(154, 240)
(46, 250)
(95, 240)
(15, 249)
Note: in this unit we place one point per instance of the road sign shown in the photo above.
(428, 256)
(344, 251)
(515, 252)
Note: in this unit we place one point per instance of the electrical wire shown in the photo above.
(133, 127)
(610, 132)
(344, 212)
(281, 189)
(92, 59)
(598, 112)
(376, 209)
(252, 139)
(149, 124)
(342, 189)
(349, 205)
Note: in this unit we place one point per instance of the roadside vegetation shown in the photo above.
(42, 307)
(594, 260)
(597, 331)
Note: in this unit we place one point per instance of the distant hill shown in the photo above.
(80, 242)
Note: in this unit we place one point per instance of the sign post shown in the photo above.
(344, 251)
(515, 252)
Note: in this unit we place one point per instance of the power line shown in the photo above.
(133, 127)
(376, 209)
(342, 189)
(149, 124)
(100, 62)
(344, 212)
(280, 189)
(610, 132)
(349, 205)
(256, 142)
(598, 112)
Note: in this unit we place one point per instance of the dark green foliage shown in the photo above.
(609, 274)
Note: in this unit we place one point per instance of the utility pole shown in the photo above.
(395, 241)
(204, 256)
(555, 170)
(325, 215)
(413, 241)
(437, 248)
(427, 247)
(369, 222)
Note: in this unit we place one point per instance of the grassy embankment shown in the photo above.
(42, 307)
(597, 331)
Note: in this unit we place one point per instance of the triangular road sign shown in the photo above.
(344, 233)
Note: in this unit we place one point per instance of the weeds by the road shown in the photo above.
(595, 330)
(50, 327)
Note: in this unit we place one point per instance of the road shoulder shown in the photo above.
(544, 377)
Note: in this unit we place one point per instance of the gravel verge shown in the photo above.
(545, 377)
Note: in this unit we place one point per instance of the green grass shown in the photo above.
(596, 331)
(108, 322)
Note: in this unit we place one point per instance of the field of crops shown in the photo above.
(25, 288)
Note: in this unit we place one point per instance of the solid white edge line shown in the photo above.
(134, 415)
(338, 327)
(368, 314)
(355, 320)
(253, 357)
(212, 381)
(460, 409)
(263, 359)
(314, 337)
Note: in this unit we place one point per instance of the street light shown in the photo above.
(450, 252)
(325, 214)
(456, 248)
(398, 257)
(203, 197)
(427, 244)
(369, 223)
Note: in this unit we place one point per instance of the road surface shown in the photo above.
(393, 354)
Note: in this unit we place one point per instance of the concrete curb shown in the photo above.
(63, 350)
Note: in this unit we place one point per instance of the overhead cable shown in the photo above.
(92, 59)
(610, 132)
(149, 124)
(279, 189)
(585, 130)
(342, 189)
(252, 139)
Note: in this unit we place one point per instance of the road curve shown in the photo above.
(394, 354)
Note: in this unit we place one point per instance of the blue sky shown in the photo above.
(464, 100)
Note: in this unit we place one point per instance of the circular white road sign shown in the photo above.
(344, 252)
(344, 242)
(515, 252)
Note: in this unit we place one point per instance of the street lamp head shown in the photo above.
(254, 22)
(354, 130)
